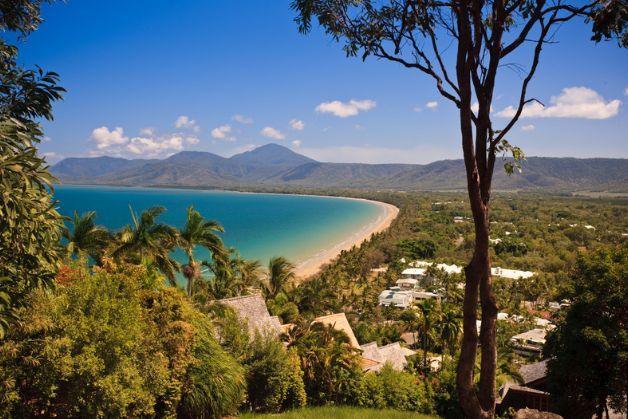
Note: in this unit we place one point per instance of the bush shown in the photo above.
(274, 377)
(106, 346)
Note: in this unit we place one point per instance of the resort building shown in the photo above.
(530, 342)
(339, 322)
(395, 297)
(393, 353)
(252, 308)
(373, 357)
(406, 284)
(511, 273)
(413, 273)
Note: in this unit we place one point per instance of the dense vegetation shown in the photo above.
(93, 324)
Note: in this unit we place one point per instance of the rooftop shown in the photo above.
(339, 322)
(252, 308)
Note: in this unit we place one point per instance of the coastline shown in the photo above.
(313, 264)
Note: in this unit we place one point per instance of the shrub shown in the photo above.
(274, 376)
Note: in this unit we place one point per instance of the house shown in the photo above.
(511, 273)
(339, 322)
(520, 397)
(534, 375)
(252, 308)
(407, 283)
(426, 295)
(413, 273)
(530, 342)
(373, 357)
(393, 353)
(395, 297)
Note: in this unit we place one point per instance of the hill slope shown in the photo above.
(274, 165)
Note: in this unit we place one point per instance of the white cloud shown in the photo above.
(148, 131)
(242, 119)
(346, 109)
(115, 143)
(152, 147)
(529, 127)
(273, 133)
(223, 133)
(296, 143)
(573, 102)
(432, 104)
(297, 124)
(184, 121)
(417, 109)
(626, 91)
(46, 139)
(475, 107)
(104, 138)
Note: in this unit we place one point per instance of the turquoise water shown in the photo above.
(260, 226)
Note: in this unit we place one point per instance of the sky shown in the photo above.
(146, 79)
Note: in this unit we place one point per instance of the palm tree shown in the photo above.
(86, 237)
(450, 329)
(428, 318)
(147, 241)
(199, 232)
(280, 274)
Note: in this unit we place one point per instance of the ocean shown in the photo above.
(260, 226)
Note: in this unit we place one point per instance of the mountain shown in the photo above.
(275, 165)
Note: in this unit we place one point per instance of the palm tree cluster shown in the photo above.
(149, 242)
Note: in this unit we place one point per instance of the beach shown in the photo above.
(313, 264)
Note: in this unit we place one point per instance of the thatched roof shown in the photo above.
(339, 322)
(252, 308)
(392, 353)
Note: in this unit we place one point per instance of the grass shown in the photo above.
(339, 412)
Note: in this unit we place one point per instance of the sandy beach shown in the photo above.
(313, 264)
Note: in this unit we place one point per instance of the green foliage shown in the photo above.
(331, 367)
(274, 376)
(280, 276)
(147, 241)
(30, 226)
(86, 237)
(396, 390)
(104, 344)
(216, 381)
(591, 343)
(514, 247)
(200, 232)
(417, 249)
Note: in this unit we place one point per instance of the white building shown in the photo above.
(413, 273)
(531, 341)
(395, 297)
(511, 273)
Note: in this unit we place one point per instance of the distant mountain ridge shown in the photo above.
(275, 165)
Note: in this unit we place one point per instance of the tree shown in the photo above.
(199, 232)
(86, 236)
(460, 45)
(30, 226)
(450, 329)
(280, 275)
(591, 343)
(147, 241)
(417, 249)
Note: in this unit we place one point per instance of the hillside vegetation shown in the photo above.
(278, 166)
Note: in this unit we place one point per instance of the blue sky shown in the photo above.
(149, 78)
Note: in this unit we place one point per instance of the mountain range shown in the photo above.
(277, 166)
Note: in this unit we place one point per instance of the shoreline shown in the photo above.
(313, 264)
